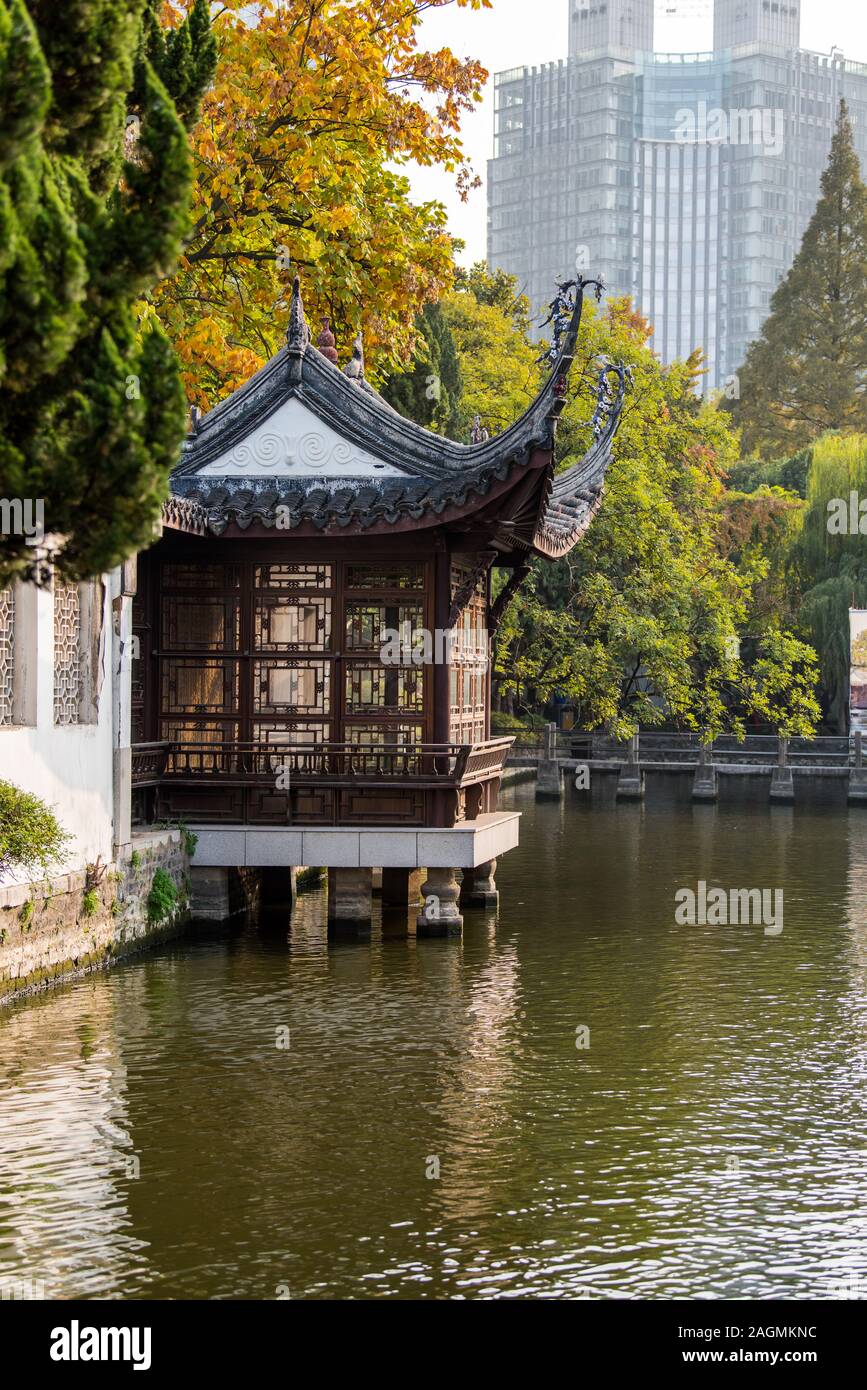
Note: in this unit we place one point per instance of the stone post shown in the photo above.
(858, 774)
(214, 894)
(350, 899)
(782, 785)
(400, 888)
(630, 783)
(439, 915)
(478, 888)
(705, 784)
(549, 783)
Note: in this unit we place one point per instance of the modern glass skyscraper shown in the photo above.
(687, 180)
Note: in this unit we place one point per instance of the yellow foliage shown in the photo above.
(315, 104)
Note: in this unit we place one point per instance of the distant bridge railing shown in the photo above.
(668, 748)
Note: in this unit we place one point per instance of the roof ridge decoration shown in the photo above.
(297, 333)
(354, 368)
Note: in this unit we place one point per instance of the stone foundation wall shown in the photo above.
(57, 929)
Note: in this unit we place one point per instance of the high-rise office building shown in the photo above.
(685, 179)
(774, 22)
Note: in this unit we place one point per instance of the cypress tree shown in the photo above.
(184, 58)
(430, 391)
(92, 411)
(806, 373)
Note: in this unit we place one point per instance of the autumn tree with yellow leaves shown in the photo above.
(315, 106)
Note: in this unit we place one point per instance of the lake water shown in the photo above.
(709, 1142)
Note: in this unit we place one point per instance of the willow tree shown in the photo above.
(95, 186)
(806, 373)
(832, 561)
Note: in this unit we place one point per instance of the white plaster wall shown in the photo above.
(294, 442)
(69, 767)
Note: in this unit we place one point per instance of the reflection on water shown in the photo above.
(157, 1142)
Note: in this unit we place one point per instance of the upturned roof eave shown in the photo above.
(363, 417)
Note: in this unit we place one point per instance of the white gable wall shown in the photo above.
(294, 442)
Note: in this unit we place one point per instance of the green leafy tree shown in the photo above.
(640, 624)
(805, 374)
(92, 412)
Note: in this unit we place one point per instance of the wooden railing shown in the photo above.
(149, 763)
(421, 765)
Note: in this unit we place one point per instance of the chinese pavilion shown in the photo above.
(307, 521)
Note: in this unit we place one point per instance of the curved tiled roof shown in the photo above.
(436, 477)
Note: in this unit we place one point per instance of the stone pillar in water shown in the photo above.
(630, 783)
(479, 888)
(858, 773)
(350, 898)
(705, 784)
(782, 785)
(549, 783)
(439, 915)
(401, 888)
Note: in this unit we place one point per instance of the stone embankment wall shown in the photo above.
(63, 927)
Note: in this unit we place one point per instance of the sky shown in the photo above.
(518, 33)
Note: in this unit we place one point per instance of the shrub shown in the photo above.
(26, 913)
(163, 897)
(90, 903)
(31, 837)
(190, 839)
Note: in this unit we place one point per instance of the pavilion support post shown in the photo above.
(439, 915)
(216, 894)
(278, 888)
(400, 888)
(350, 899)
(549, 782)
(630, 783)
(705, 784)
(479, 888)
(782, 784)
(858, 773)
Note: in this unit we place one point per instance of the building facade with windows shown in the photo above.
(685, 180)
(64, 706)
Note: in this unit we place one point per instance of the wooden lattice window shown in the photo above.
(67, 654)
(384, 577)
(206, 686)
(7, 656)
(200, 577)
(200, 622)
(302, 687)
(300, 623)
(384, 689)
(469, 665)
(301, 731)
(368, 623)
(311, 576)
